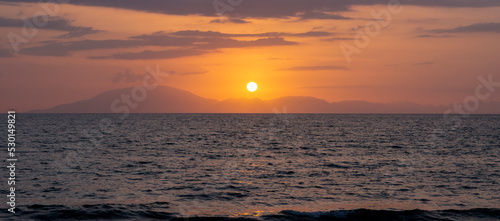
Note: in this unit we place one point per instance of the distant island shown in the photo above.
(166, 99)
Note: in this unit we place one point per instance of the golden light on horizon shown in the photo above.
(252, 86)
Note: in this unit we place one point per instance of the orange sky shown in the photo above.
(427, 54)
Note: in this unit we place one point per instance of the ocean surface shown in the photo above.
(255, 167)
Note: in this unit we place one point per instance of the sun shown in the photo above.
(252, 86)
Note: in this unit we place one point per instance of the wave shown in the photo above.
(366, 214)
(159, 211)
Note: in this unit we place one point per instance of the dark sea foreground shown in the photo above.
(256, 167)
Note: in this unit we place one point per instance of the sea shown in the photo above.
(254, 167)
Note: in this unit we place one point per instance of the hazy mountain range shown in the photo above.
(166, 99)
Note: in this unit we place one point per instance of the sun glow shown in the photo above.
(252, 86)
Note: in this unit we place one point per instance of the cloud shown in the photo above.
(10, 4)
(197, 33)
(424, 20)
(247, 9)
(340, 87)
(190, 45)
(81, 31)
(5, 53)
(56, 24)
(434, 36)
(230, 20)
(321, 15)
(127, 77)
(339, 39)
(310, 9)
(148, 54)
(315, 68)
(189, 73)
(198, 49)
(64, 48)
(424, 63)
(478, 27)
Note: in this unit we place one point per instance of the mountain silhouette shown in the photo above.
(164, 99)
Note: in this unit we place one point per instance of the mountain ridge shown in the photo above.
(166, 99)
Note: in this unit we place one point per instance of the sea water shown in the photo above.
(256, 166)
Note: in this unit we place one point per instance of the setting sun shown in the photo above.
(405, 93)
(252, 86)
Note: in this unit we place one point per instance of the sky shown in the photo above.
(427, 52)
